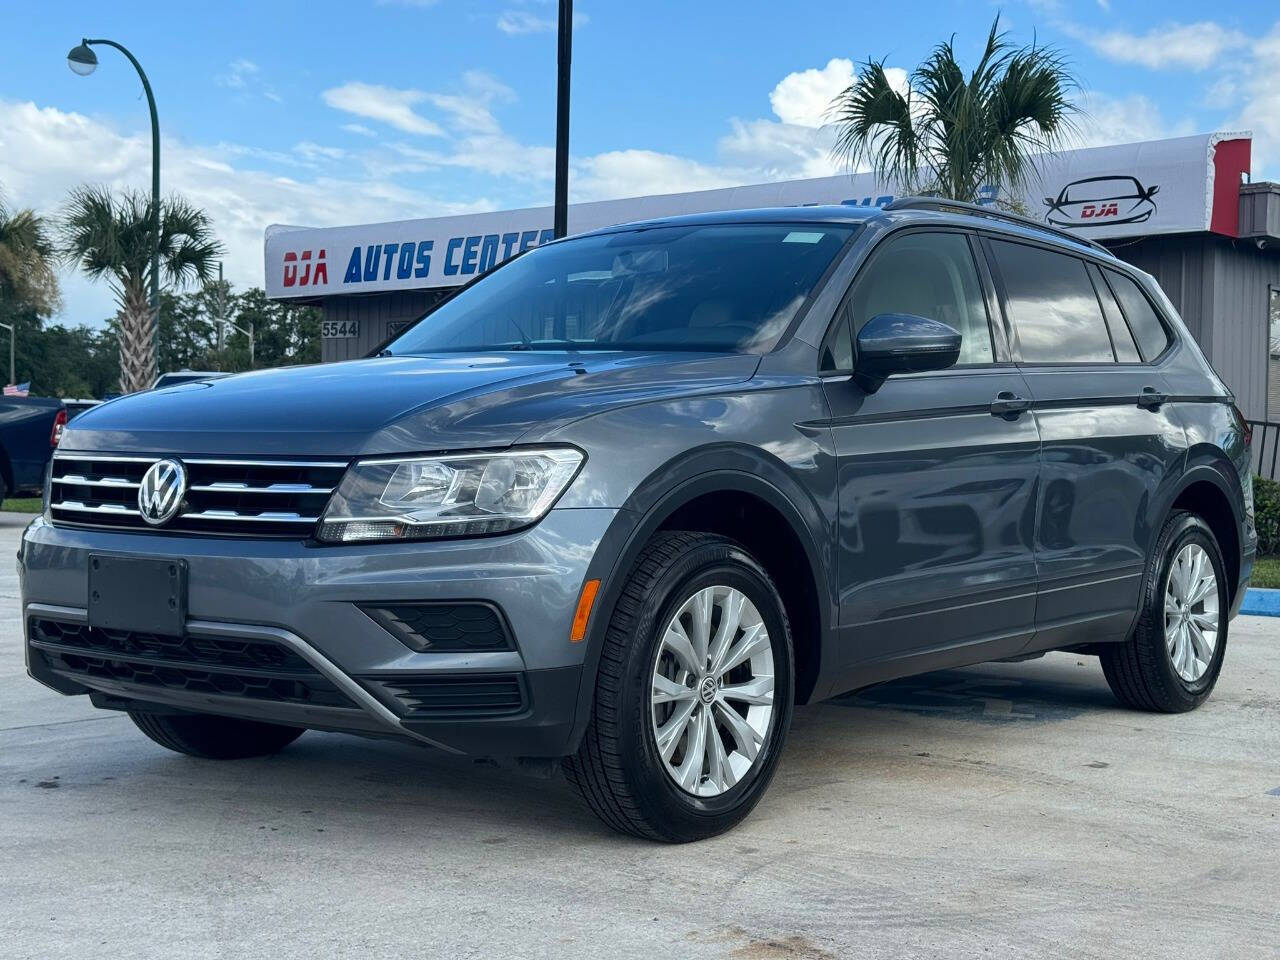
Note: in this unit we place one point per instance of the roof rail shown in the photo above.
(978, 210)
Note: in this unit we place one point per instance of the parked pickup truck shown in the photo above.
(30, 428)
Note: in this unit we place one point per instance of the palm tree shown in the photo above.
(949, 136)
(28, 263)
(113, 237)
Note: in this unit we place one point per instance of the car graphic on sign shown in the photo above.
(1101, 201)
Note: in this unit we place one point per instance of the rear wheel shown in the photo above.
(693, 696)
(215, 738)
(1172, 661)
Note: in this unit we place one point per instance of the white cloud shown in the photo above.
(469, 110)
(1107, 120)
(1259, 87)
(384, 104)
(314, 151)
(630, 173)
(799, 142)
(803, 98)
(359, 129)
(238, 74)
(778, 151)
(44, 152)
(516, 22)
(1194, 46)
(245, 78)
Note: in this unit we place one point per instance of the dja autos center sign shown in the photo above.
(1188, 184)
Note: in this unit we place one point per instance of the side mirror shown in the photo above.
(892, 343)
(1153, 190)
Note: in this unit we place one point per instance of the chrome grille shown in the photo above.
(230, 497)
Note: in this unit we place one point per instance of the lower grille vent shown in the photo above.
(456, 695)
(254, 669)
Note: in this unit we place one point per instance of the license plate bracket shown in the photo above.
(144, 594)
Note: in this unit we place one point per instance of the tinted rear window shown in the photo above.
(1052, 305)
(1121, 337)
(1147, 329)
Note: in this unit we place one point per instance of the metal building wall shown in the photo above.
(376, 313)
(1221, 287)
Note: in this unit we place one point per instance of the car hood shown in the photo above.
(394, 404)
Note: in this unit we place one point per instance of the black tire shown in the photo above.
(1140, 671)
(215, 738)
(618, 770)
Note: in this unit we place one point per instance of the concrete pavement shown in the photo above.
(999, 811)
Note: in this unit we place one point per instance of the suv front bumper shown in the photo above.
(298, 602)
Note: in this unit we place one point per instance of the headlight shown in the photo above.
(459, 495)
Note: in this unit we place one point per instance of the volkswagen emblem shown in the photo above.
(161, 492)
(708, 689)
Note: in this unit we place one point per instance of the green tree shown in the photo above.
(283, 334)
(188, 330)
(186, 334)
(948, 134)
(28, 262)
(28, 281)
(80, 361)
(112, 237)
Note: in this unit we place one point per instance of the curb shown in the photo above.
(1259, 602)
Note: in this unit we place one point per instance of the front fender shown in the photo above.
(676, 483)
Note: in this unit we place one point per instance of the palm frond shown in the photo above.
(876, 125)
(114, 237)
(956, 134)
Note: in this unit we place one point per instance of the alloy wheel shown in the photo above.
(1191, 616)
(712, 691)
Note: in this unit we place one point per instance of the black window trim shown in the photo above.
(1096, 277)
(1119, 266)
(1169, 336)
(1002, 291)
(1000, 346)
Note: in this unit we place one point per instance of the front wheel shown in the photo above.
(693, 696)
(1173, 659)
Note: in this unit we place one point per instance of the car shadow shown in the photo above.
(345, 786)
(1040, 691)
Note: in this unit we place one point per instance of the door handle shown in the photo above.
(1009, 405)
(1152, 399)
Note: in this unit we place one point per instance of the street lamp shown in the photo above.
(13, 335)
(248, 333)
(83, 61)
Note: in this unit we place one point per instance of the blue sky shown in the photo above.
(324, 113)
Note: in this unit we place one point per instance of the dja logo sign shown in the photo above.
(1092, 210)
(313, 273)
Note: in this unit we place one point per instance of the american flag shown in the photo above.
(18, 389)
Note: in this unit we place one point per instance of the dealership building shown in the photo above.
(1183, 209)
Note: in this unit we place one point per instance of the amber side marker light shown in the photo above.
(585, 601)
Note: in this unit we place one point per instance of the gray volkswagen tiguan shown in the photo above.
(629, 497)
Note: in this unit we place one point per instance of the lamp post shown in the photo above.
(13, 336)
(564, 59)
(248, 333)
(83, 61)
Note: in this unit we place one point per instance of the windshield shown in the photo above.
(723, 287)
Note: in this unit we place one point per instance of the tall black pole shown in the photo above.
(564, 59)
